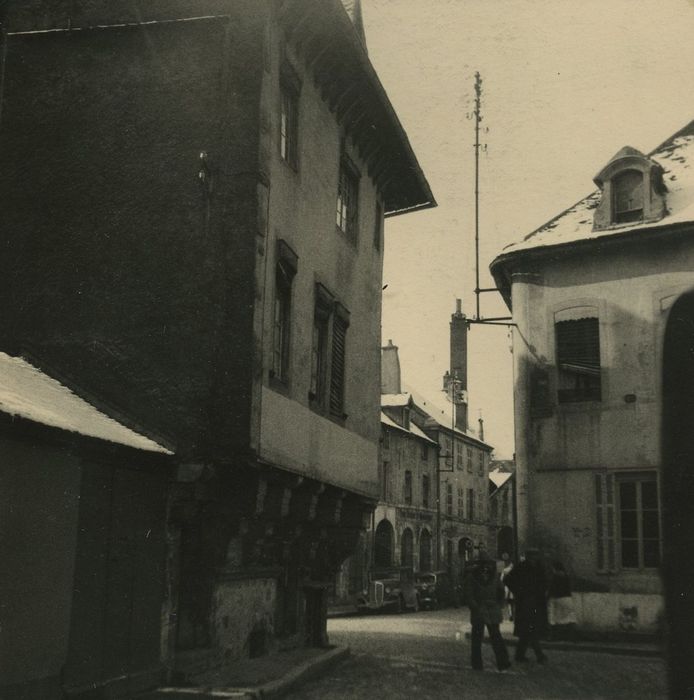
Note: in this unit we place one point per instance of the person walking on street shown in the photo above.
(506, 568)
(485, 595)
(528, 585)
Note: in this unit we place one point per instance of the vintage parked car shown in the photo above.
(390, 589)
(436, 590)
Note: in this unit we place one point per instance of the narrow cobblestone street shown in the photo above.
(426, 655)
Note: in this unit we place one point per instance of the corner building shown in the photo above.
(193, 197)
(602, 296)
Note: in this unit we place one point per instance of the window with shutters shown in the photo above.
(639, 520)
(471, 504)
(338, 364)
(469, 459)
(627, 521)
(461, 502)
(328, 355)
(449, 499)
(578, 360)
(319, 354)
(284, 274)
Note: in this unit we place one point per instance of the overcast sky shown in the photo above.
(566, 84)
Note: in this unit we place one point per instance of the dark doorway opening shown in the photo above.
(383, 546)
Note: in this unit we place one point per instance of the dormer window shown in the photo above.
(632, 191)
(627, 191)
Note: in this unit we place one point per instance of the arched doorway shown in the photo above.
(407, 547)
(383, 545)
(677, 491)
(425, 551)
(504, 541)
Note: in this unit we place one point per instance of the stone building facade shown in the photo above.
(602, 298)
(193, 204)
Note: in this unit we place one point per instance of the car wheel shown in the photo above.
(400, 604)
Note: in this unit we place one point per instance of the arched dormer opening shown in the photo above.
(633, 191)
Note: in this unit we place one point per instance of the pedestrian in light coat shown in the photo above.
(485, 597)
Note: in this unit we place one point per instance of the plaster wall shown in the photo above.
(560, 446)
(619, 611)
(301, 205)
(297, 438)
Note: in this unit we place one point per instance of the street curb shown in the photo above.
(302, 673)
(267, 691)
(596, 647)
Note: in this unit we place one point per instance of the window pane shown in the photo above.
(629, 524)
(601, 556)
(651, 553)
(627, 495)
(651, 527)
(649, 495)
(598, 489)
(630, 553)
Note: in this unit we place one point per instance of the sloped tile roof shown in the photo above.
(27, 392)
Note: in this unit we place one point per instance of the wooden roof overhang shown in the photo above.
(322, 34)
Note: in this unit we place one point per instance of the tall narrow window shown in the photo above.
(627, 192)
(469, 460)
(337, 370)
(449, 499)
(424, 451)
(407, 490)
(578, 360)
(425, 490)
(639, 521)
(347, 199)
(289, 123)
(480, 463)
(471, 504)
(461, 502)
(284, 274)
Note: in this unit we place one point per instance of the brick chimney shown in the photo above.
(458, 370)
(390, 369)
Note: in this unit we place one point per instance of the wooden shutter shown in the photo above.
(337, 373)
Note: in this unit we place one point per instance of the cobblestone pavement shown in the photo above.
(427, 656)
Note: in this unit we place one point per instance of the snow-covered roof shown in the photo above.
(27, 392)
(576, 223)
(395, 400)
(413, 429)
(499, 478)
(441, 411)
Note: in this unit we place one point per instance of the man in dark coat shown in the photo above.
(528, 584)
(485, 595)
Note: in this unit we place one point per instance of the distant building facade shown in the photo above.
(213, 179)
(602, 296)
(502, 508)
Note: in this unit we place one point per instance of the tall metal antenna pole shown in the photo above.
(478, 119)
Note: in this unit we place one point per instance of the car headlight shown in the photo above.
(364, 592)
(387, 589)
